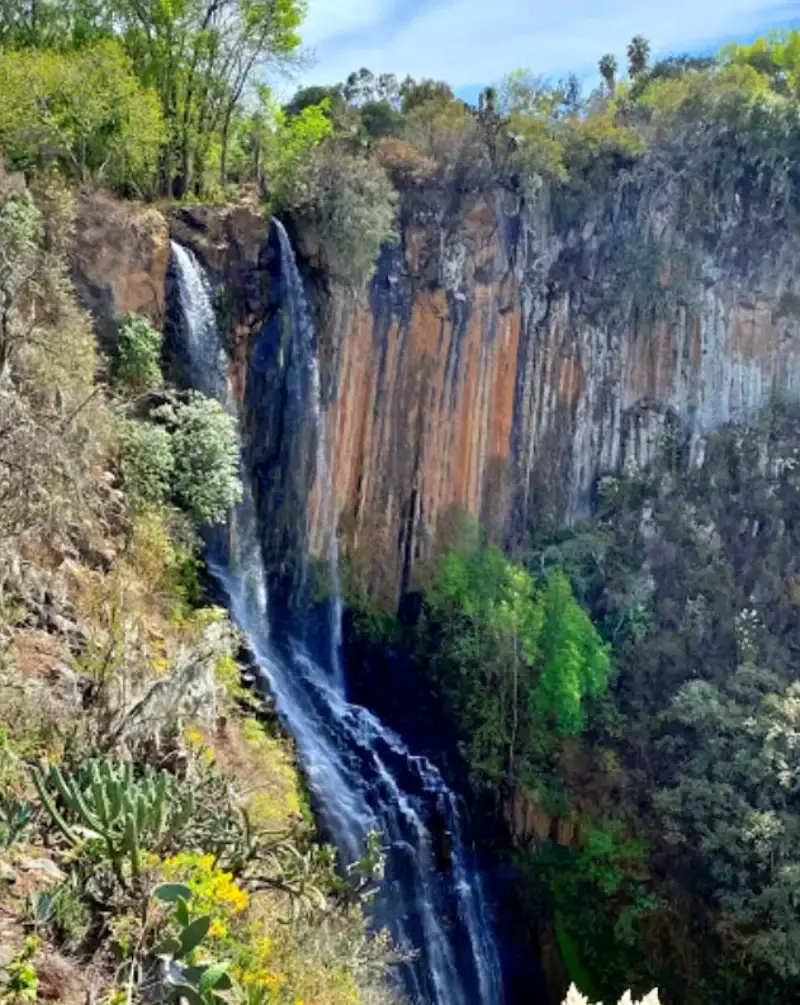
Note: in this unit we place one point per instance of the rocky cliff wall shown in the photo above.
(502, 359)
(500, 363)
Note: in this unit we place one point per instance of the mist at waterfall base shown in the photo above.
(362, 776)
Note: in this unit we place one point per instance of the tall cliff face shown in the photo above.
(501, 362)
(505, 355)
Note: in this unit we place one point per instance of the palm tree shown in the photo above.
(608, 71)
(638, 54)
(488, 100)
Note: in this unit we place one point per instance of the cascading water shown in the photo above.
(362, 775)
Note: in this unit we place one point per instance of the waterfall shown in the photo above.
(304, 343)
(203, 356)
(362, 775)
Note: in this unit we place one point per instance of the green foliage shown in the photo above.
(419, 92)
(22, 984)
(574, 664)
(15, 819)
(638, 55)
(776, 56)
(206, 457)
(288, 141)
(608, 71)
(208, 983)
(135, 94)
(601, 898)
(189, 454)
(104, 800)
(732, 805)
(516, 662)
(379, 119)
(84, 110)
(137, 365)
(68, 912)
(147, 462)
(350, 203)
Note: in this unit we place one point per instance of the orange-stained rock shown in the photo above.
(485, 372)
(119, 260)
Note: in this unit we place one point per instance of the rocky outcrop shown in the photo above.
(501, 363)
(119, 259)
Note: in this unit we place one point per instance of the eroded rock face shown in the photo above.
(499, 366)
(230, 242)
(499, 363)
(119, 260)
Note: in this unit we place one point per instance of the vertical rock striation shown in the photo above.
(499, 364)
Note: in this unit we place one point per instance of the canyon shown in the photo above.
(501, 360)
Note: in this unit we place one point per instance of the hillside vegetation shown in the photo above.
(156, 841)
(624, 693)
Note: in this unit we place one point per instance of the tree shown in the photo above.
(575, 664)
(638, 55)
(138, 355)
(284, 147)
(608, 71)
(363, 87)
(488, 100)
(516, 662)
(415, 93)
(732, 805)
(307, 97)
(379, 119)
(84, 110)
(60, 25)
(350, 202)
(201, 57)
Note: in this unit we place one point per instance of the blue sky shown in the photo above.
(471, 43)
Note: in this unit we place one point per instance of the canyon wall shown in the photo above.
(502, 359)
(500, 364)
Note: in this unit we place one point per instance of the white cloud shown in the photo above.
(472, 41)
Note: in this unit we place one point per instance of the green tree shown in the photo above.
(638, 55)
(733, 807)
(414, 93)
(350, 202)
(85, 110)
(608, 71)
(316, 94)
(516, 663)
(379, 119)
(574, 662)
(138, 355)
(201, 56)
(54, 24)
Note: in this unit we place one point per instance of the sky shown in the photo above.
(473, 43)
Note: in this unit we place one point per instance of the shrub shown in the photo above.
(146, 461)
(138, 355)
(206, 457)
(351, 203)
(405, 164)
